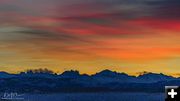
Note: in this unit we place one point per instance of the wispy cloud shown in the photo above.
(81, 31)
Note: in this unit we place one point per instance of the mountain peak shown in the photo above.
(109, 73)
(153, 74)
(154, 77)
(71, 73)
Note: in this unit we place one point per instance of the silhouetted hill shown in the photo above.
(152, 77)
(108, 73)
(6, 75)
(73, 81)
(70, 74)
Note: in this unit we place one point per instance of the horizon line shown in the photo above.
(129, 74)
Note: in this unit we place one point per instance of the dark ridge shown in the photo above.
(45, 81)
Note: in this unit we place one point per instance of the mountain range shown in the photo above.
(73, 81)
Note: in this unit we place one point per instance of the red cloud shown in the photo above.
(164, 24)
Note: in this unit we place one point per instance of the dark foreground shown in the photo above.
(93, 97)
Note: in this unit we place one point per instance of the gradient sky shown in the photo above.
(90, 35)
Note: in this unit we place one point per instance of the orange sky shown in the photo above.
(89, 36)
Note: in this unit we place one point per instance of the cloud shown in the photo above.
(85, 30)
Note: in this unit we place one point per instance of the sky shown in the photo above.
(90, 35)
